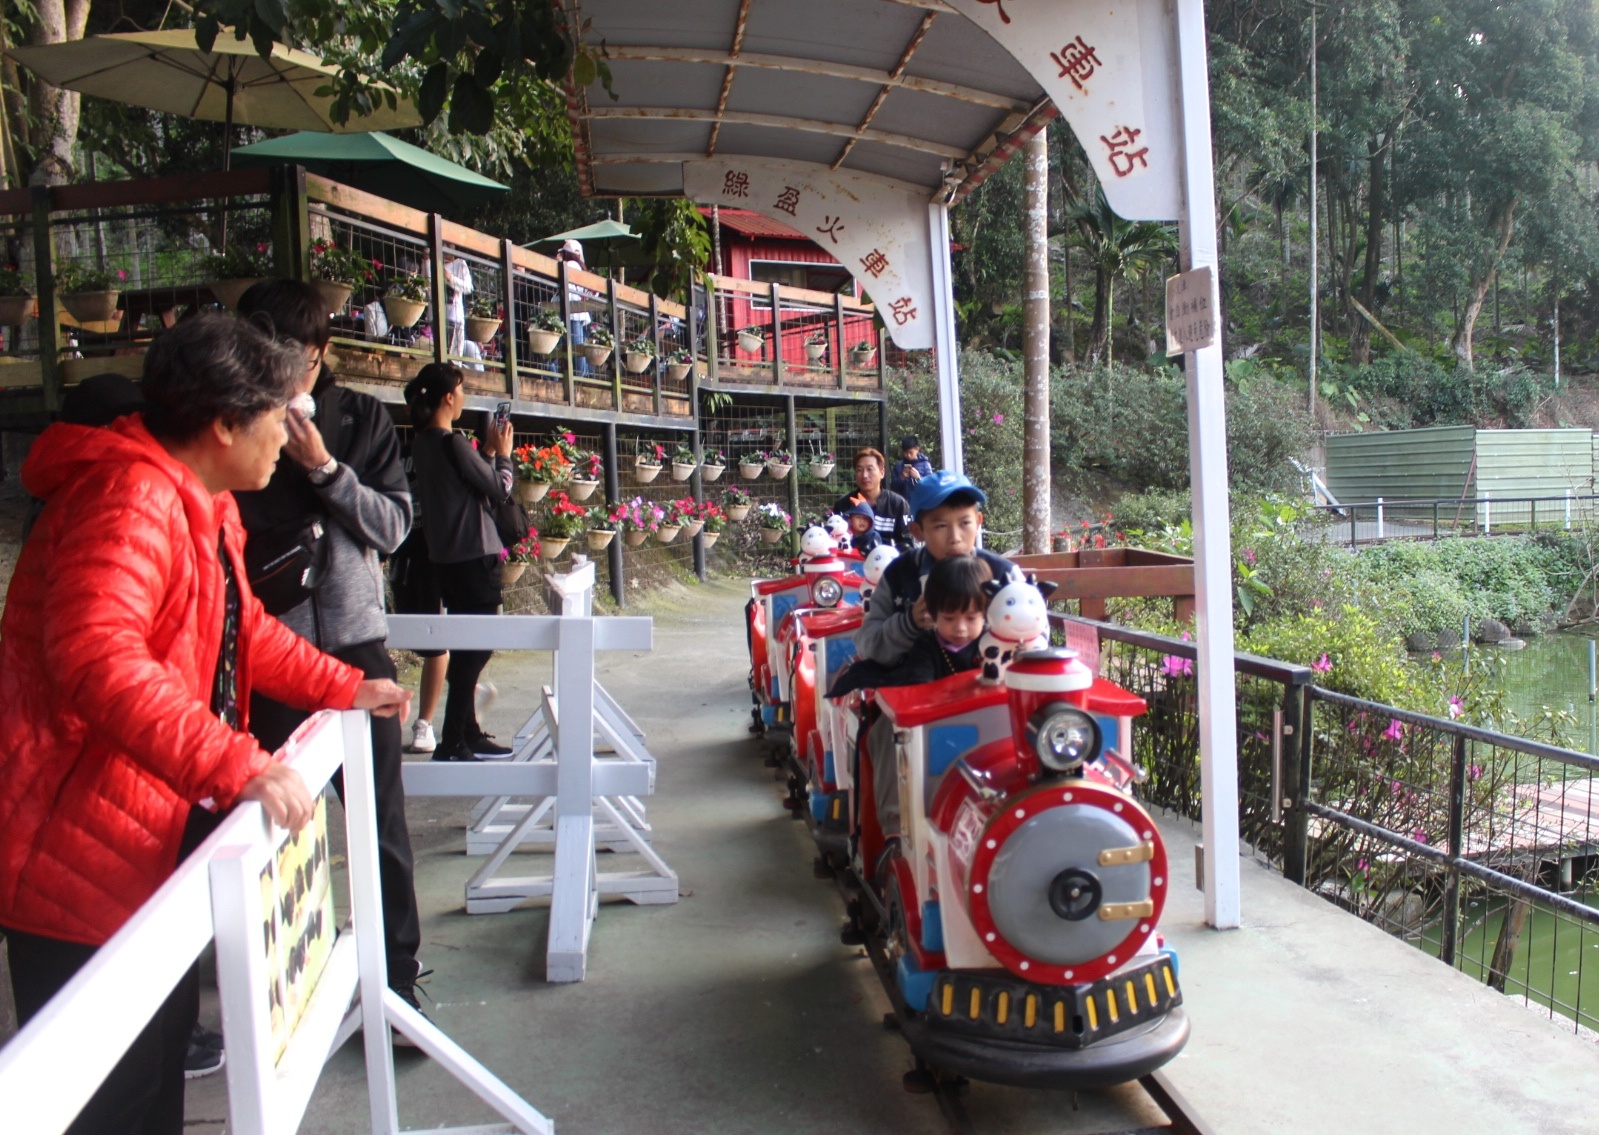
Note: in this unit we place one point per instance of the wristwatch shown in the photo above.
(324, 473)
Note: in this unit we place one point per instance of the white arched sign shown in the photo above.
(875, 227)
(1111, 69)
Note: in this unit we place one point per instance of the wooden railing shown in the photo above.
(160, 235)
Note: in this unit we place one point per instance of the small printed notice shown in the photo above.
(298, 928)
(1084, 640)
(1191, 309)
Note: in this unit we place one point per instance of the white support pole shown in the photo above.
(1568, 510)
(574, 898)
(1487, 513)
(1379, 519)
(951, 449)
(1207, 448)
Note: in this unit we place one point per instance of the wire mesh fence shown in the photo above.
(1380, 520)
(1481, 848)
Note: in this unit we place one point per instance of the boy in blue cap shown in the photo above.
(947, 512)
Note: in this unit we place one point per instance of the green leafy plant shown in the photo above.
(15, 282)
(485, 305)
(73, 278)
(410, 286)
(772, 515)
(598, 336)
(735, 497)
(639, 346)
(236, 262)
(546, 320)
(682, 454)
(339, 265)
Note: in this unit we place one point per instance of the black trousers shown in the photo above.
(471, 587)
(271, 722)
(143, 1095)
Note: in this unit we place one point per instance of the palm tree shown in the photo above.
(1115, 247)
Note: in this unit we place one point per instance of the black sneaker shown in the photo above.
(485, 745)
(407, 991)
(455, 751)
(206, 1054)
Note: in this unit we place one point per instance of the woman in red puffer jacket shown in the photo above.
(128, 649)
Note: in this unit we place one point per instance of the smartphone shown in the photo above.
(502, 413)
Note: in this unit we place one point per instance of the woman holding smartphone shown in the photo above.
(460, 488)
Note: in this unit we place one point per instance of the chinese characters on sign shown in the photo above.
(874, 263)
(736, 184)
(1190, 311)
(1123, 157)
(831, 226)
(1076, 61)
(903, 310)
(788, 200)
(999, 4)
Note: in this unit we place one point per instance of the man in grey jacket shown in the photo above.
(341, 470)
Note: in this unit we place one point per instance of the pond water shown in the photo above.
(1552, 671)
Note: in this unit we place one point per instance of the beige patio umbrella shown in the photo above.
(231, 83)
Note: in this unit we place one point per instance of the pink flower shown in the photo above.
(1361, 865)
(1457, 706)
(1175, 667)
(569, 438)
(1249, 556)
(1419, 835)
(1323, 663)
(1474, 772)
(999, 419)
(122, 273)
(1395, 731)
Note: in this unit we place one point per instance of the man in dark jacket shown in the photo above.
(340, 470)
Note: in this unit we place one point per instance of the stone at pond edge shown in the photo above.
(1420, 642)
(1490, 630)
(1510, 644)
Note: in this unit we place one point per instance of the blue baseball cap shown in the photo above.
(931, 492)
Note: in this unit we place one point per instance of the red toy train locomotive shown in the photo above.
(1014, 915)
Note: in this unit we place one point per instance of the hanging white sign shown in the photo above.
(1111, 70)
(1191, 311)
(875, 227)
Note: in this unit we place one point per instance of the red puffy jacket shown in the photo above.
(108, 652)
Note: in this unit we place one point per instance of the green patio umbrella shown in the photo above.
(606, 244)
(378, 164)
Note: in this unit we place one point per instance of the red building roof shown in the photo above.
(753, 224)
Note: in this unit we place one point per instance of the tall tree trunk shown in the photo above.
(1035, 349)
(1099, 328)
(1376, 213)
(1503, 224)
(54, 112)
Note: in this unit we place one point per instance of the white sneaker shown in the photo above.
(486, 694)
(422, 739)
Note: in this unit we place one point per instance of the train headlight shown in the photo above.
(1063, 737)
(827, 592)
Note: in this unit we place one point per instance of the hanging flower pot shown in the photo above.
(822, 470)
(600, 539)
(750, 341)
(683, 470)
(92, 307)
(334, 296)
(738, 513)
(481, 330)
(772, 535)
(531, 492)
(677, 372)
(778, 469)
(511, 571)
(543, 342)
(750, 470)
(402, 312)
(552, 549)
(15, 310)
(666, 533)
(580, 490)
(637, 362)
(595, 353)
(712, 472)
(710, 539)
(229, 292)
(692, 528)
(815, 351)
(644, 472)
(861, 357)
(637, 537)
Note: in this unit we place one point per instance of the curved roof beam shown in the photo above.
(779, 122)
(816, 67)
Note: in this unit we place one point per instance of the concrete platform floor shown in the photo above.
(737, 1010)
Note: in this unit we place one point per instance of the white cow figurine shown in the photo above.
(877, 561)
(1018, 620)
(838, 528)
(816, 542)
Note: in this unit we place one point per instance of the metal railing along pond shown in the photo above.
(1366, 522)
(1479, 847)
